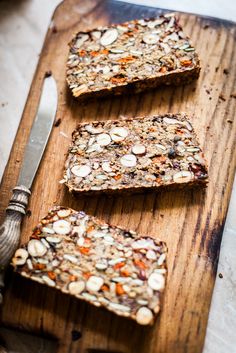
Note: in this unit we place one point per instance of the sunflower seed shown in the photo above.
(101, 266)
(48, 230)
(77, 91)
(48, 281)
(71, 258)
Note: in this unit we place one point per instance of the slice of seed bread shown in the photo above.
(135, 155)
(131, 57)
(102, 264)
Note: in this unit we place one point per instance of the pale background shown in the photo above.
(23, 25)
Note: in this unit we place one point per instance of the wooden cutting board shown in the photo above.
(190, 221)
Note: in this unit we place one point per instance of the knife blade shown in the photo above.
(39, 134)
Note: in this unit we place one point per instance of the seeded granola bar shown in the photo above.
(132, 56)
(134, 155)
(91, 260)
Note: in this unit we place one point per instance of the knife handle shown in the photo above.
(10, 229)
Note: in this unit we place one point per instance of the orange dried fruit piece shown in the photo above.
(119, 289)
(140, 264)
(118, 79)
(119, 265)
(51, 275)
(186, 63)
(126, 59)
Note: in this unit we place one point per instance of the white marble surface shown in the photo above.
(23, 25)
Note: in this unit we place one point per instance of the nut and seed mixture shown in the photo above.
(133, 154)
(91, 260)
(131, 56)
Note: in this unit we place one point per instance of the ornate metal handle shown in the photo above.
(10, 229)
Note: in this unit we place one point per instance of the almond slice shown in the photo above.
(76, 287)
(151, 38)
(109, 37)
(106, 167)
(94, 283)
(171, 121)
(119, 134)
(93, 130)
(156, 281)
(62, 227)
(128, 160)
(81, 171)
(20, 257)
(139, 150)
(183, 177)
(144, 316)
(81, 39)
(103, 139)
(36, 248)
(63, 213)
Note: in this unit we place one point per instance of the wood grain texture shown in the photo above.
(190, 221)
(17, 342)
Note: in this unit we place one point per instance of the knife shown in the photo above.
(39, 134)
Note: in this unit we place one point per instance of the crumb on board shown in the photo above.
(48, 73)
(222, 97)
(54, 29)
(75, 335)
(28, 213)
(57, 122)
